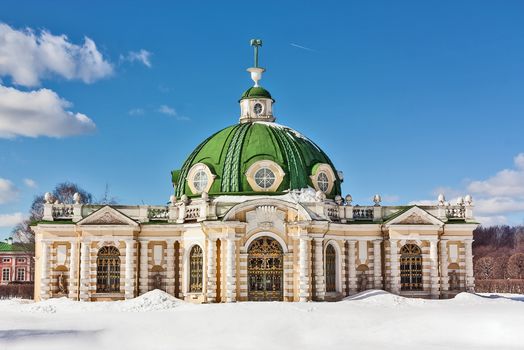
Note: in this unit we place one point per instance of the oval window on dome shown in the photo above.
(200, 180)
(264, 178)
(258, 108)
(323, 181)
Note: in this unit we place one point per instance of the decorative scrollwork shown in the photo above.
(265, 270)
(410, 267)
(108, 270)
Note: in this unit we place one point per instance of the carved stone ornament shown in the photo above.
(414, 219)
(265, 217)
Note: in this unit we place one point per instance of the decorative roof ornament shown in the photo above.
(256, 71)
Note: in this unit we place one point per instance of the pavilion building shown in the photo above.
(256, 213)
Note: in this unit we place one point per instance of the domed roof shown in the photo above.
(230, 152)
(255, 92)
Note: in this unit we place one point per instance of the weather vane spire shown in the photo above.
(256, 71)
(256, 43)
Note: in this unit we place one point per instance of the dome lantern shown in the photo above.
(256, 103)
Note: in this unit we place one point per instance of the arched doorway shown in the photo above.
(410, 267)
(108, 270)
(265, 270)
(331, 269)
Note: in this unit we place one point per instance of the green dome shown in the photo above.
(255, 92)
(230, 152)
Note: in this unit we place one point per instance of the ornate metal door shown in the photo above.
(410, 267)
(265, 270)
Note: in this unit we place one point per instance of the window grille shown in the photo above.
(265, 270)
(265, 178)
(196, 259)
(323, 181)
(331, 272)
(108, 270)
(410, 267)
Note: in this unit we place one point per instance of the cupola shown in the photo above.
(256, 103)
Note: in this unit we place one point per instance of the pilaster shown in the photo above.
(304, 243)
(377, 264)
(129, 286)
(170, 267)
(144, 271)
(352, 269)
(230, 268)
(211, 270)
(433, 258)
(85, 259)
(470, 280)
(444, 278)
(73, 283)
(394, 268)
(44, 282)
(320, 282)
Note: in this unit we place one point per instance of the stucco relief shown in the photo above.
(265, 217)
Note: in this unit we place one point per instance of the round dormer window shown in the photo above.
(323, 181)
(200, 180)
(257, 108)
(264, 178)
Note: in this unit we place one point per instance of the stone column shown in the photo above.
(433, 259)
(73, 256)
(303, 264)
(320, 282)
(377, 264)
(211, 270)
(170, 267)
(85, 278)
(44, 278)
(470, 280)
(444, 278)
(230, 269)
(352, 269)
(144, 270)
(129, 286)
(394, 268)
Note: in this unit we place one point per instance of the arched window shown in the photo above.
(410, 267)
(331, 269)
(196, 259)
(108, 270)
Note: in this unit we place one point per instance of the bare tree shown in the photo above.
(501, 267)
(63, 192)
(485, 267)
(106, 198)
(516, 266)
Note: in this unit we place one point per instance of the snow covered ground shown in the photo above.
(370, 320)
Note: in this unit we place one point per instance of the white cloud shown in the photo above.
(507, 182)
(9, 220)
(27, 57)
(167, 110)
(164, 109)
(136, 111)
(30, 183)
(142, 56)
(497, 200)
(8, 191)
(423, 202)
(492, 220)
(39, 113)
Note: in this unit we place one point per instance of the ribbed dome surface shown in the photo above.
(231, 151)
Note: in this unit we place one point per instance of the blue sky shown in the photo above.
(408, 98)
